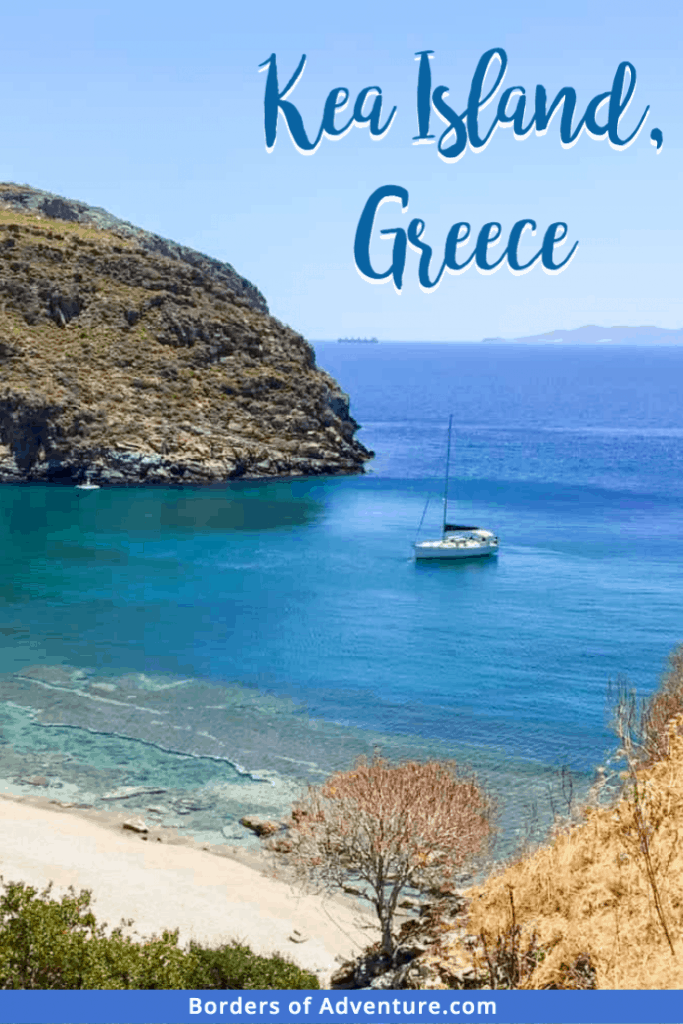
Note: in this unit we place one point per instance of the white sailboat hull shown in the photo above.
(452, 548)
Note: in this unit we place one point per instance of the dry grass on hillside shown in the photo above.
(605, 892)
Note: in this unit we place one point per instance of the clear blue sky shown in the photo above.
(155, 111)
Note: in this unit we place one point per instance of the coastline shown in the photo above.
(211, 894)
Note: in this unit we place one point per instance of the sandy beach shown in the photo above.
(209, 894)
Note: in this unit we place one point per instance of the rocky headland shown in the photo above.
(128, 359)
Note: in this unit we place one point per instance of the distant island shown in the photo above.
(357, 341)
(593, 335)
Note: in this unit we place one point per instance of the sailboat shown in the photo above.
(456, 541)
(88, 485)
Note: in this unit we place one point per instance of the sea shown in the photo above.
(194, 655)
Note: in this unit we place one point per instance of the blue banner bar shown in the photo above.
(357, 1007)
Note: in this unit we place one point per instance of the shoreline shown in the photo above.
(185, 485)
(211, 894)
(65, 749)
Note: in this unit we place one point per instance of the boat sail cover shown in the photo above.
(453, 526)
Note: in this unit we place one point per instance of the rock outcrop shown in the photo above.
(129, 359)
(424, 957)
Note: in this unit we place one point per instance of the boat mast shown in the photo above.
(445, 489)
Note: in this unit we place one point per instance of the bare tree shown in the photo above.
(389, 827)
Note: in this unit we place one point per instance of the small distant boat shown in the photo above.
(357, 341)
(456, 541)
(87, 485)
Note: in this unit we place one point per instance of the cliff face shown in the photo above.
(132, 360)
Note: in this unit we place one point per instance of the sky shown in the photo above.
(155, 111)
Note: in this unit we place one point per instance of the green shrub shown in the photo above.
(235, 966)
(48, 943)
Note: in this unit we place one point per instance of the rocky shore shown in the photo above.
(128, 359)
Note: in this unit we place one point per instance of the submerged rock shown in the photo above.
(129, 359)
(125, 792)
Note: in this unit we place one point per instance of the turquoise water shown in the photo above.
(225, 646)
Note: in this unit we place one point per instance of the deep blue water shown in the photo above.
(279, 629)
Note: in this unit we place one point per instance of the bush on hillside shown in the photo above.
(642, 726)
(664, 705)
(48, 943)
(509, 959)
(235, 966)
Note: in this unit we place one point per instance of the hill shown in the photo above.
(131, 359)
(592, 335)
